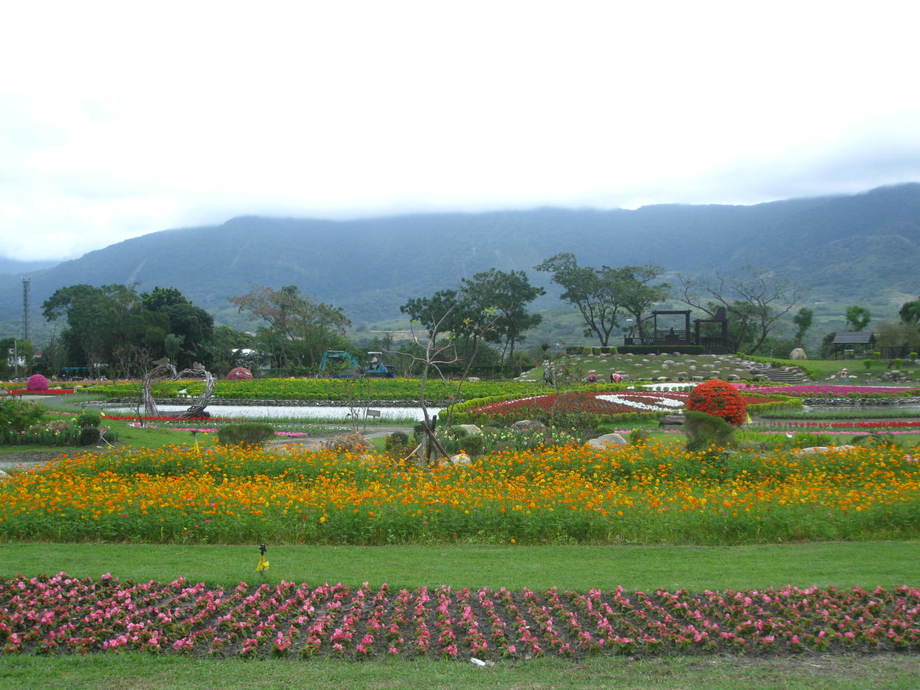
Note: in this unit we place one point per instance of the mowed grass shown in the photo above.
(863, 564)
(135, 670)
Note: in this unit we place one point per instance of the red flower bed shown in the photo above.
(616, 402)
(64, 614)
(50, 391)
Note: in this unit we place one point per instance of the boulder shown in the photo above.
(822, 449)
(798, 353)
(528, 426)
(671, 420)
(460, 459)
(607, 441)
(469, 429)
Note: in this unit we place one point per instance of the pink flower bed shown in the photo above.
(65, 614)
(818, 389)
(164, 418)
(888, 424)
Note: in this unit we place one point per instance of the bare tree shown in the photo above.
(754, 303)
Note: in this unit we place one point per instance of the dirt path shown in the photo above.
(317, 442)
(27, 458)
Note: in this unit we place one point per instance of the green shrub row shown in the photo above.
(328, 389)
(245, 434)
(657, 349)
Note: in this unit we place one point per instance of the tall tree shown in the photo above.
(590, 290)
(753, 304)
(858, 317)
(600, 293)
(802, 321)
(98, 320)
(910, 312)
(508, 294)
(636, 293)
(299, 330)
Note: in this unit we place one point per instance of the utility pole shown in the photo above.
(26, 309)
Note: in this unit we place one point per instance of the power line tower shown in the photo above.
(26, 308)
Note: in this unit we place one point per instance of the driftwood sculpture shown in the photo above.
(164, 371)
(199, 372)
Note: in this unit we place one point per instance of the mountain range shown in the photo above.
(850, 247)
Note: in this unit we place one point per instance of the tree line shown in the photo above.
(482, 320)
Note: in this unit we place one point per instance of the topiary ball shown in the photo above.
(238, 374)
(37, 382)
(719, 399)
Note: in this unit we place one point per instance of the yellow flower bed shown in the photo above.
(650, 494)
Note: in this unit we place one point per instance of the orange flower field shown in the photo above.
(636, 494)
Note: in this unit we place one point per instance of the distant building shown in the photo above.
(853, 345)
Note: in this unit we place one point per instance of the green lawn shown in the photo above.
(147, 671)
(865, 564)
(580, 567)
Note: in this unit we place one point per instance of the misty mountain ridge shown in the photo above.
(852, 248)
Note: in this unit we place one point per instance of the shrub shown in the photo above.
(89, 435)
(806, 440)
(705, 430)
(88, 419)
(657, 349)
(18, 416)
(247, 434)
(719, 399)
(239, 374)
(639, 437)
(396, 445)
(37, 382)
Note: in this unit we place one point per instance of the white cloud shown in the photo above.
(121, 119)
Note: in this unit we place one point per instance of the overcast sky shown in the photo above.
(122, 118)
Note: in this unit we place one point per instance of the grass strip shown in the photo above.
(135, 670)
(863, 564)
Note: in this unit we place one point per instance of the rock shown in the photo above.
(528, 426)
(607, 441)
(798, 353)
(460, 459)
(671, 420)
(473, 379)
(822, 449)
(351, 442)
(469, 429)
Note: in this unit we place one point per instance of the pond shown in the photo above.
(293, 412)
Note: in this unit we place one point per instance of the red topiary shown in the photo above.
(719, 399)
(238, 374)
(37, 382)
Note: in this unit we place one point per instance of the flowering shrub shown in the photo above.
(719, 399)
(239, 374)
(37, 382)
(66, 614)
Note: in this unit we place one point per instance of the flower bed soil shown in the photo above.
(61, 614)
